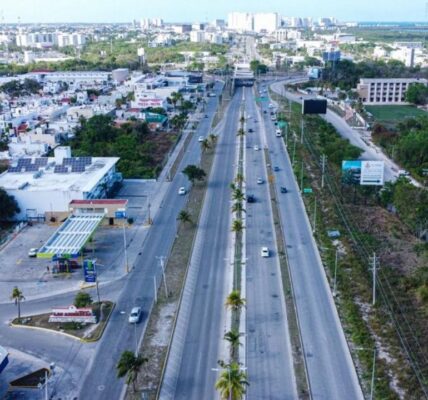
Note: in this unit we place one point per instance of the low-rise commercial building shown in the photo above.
(385, 91)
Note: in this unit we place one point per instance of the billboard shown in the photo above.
(368, 173)
(89, 271)
(333, 55)
(313, 106)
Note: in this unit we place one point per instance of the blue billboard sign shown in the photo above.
(89, 270)
(120, 214)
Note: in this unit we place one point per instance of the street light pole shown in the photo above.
(373, 374)
(335, 274)
(124, 248)
(135, 336)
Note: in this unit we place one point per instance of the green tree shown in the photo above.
(205, 145)
(238, 195)
(417, 93)
(8, 206)
(257, 67)
(238, 207)
(17, 296)
(194, 173)
(82, 299)
(129, 365)
(184, 217)
(233, 337)
(232, 382)
(213, 138)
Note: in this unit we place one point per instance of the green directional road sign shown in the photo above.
(262, 99)
(307, 190)
(282, 124)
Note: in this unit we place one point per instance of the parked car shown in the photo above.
(32, 252)
(251, 198)
(182, 191)
(264, 252)
(135, 315)
(283, 189)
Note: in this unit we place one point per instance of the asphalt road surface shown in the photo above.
(330, 368)
(268, 349)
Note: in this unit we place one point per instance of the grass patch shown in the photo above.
(160, 327)
(85, 332)
(393, 114)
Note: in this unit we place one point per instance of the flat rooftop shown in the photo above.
(71, 236)
(46, 175)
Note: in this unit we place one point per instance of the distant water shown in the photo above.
(393, 24)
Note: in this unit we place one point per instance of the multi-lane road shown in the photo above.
(330, 368)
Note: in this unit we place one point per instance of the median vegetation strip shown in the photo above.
(160, 327)
(293, 324)
(395, 324)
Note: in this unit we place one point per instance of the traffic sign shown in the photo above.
(282, 124)
(262, 99)
(307, 190)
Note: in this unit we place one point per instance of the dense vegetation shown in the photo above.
(8, 206)
(417, 94)
(141, 152)
(408, 144)
(108, 55)
(346, 74)
(17, 88)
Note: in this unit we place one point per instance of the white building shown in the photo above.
(268, 22)
(385, 91)
(70, 39)
(239, 21)
(197, 36)
(48, 185)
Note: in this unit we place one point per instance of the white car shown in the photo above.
(182, 191)
(256, 148)
(278, 133)
(32, 252)
(264, 252)
(259, 181)
(135, 315)
(201, 139)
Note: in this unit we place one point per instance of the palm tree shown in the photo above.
(130, 365)
(241, 132)
(238, 195)
(184, 217)
(233, 338)
(238, 207)
(232, 382)
(234, 301)
(242, 119)
(17, 296)
(205, 145)
(239, 178)
(237, 226)
(213, 138)
(232, 186)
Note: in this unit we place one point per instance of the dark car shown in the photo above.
(283, 189)
(276, 169)
(265, 112)
(250, 130)
(206, 115)
(251, 198)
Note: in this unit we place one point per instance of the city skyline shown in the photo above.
(34, 11)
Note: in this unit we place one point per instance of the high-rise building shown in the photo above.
(268, 22)
(240, 21)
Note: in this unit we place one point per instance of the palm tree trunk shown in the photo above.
(19, 310)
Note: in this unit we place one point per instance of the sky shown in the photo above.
(31, 11)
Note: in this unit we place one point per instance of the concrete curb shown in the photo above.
(83, 340)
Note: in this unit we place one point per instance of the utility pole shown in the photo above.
(155, 288)
(294, 148)
(373, 374)
(373, 260)
(335, 274)
(162, 264)
(323, 162)
(314, 228)
(125, 251)
(301, 179)
(302, 128)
